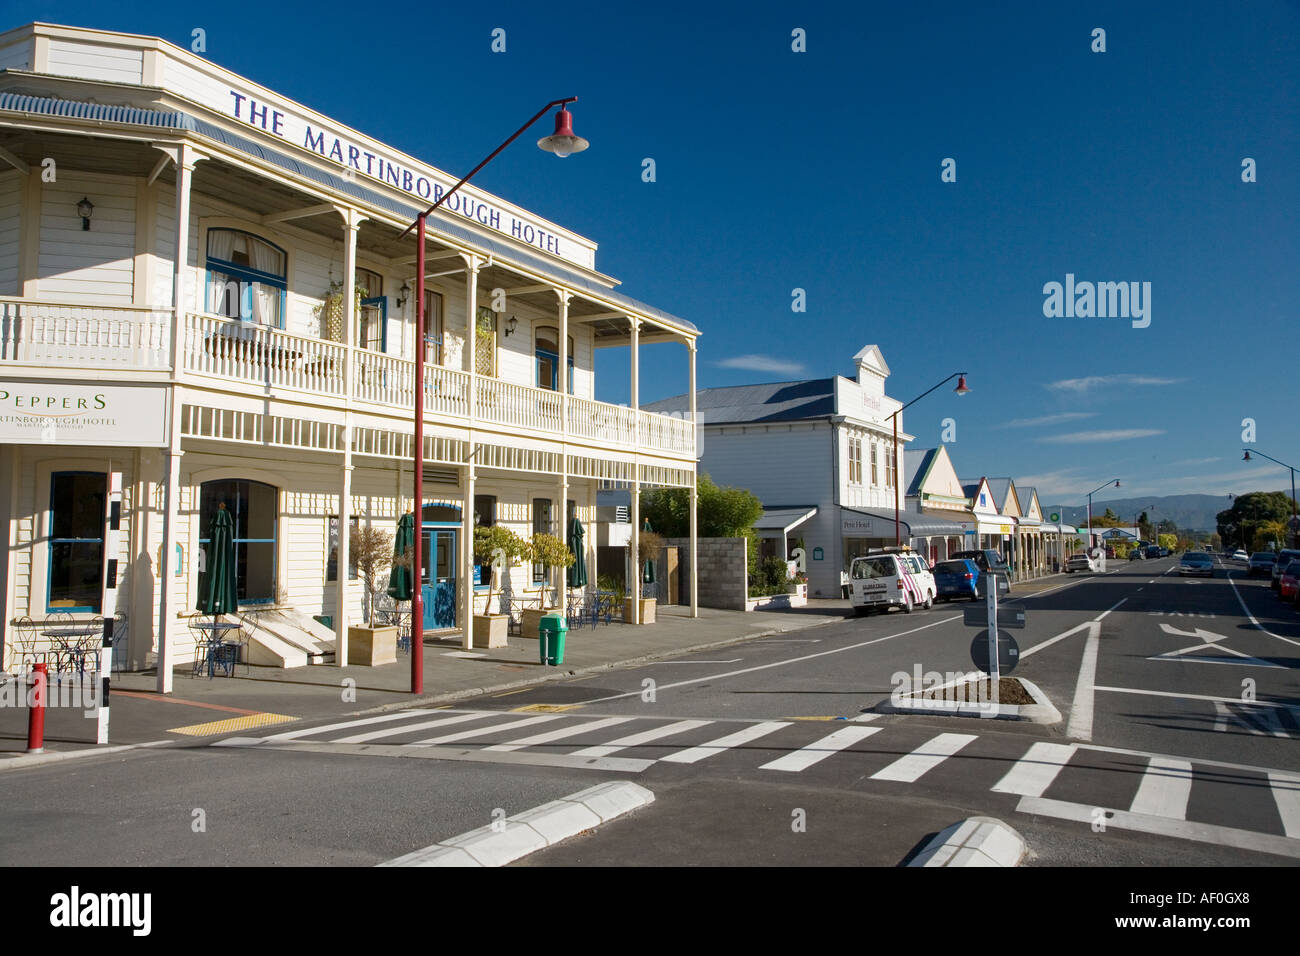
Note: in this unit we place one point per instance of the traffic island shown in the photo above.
(970, 695)
(976, 841)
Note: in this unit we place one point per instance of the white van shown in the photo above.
(884, 580)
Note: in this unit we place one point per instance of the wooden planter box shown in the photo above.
(531, 618)
(372, 646)
(647, 610)
(491, 630)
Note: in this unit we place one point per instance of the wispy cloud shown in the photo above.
(762, 363)
(1079, 386)
(1114, 434)
(1054, 485)
(1196, 461)
(1048, 420)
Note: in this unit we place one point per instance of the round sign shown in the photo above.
(1008, 652)
(1054, 516)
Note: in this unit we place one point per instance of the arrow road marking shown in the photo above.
(1208, 639)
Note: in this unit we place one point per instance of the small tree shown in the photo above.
(494, 540)
(550, 552)
(649, 544)
(372, 550)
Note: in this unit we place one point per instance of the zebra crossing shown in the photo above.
(1100, 786)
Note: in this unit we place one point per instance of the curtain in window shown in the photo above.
(266, 298)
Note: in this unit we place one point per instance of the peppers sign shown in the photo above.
(93, 414)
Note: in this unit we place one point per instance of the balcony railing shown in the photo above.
(53, 335)
(79, 336)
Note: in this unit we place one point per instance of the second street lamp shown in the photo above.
(562, 143)
(1090, 494)
(961, 389)
(1294, 526)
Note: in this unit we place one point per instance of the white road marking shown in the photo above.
(1286, 793)
(1081, 710)
(1034, 772)
(805, 757)
(794, 660)
(480, 731)
(550, 735)
(1165, 789)
(1288, 775)
(1167, 693)
(696, 754)
(1254, 620)
(1163, 826)
(295, 734)
(910, 768)
(1102, 615)
(644, 737)
(734, 660)
(407, 728)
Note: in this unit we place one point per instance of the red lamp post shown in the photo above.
(562, 143)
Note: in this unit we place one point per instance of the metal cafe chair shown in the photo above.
(120, 623)
(59, 627)
(237, 650)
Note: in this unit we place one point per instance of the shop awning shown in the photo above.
(874, 524)
(775, 522)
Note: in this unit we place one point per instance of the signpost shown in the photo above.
(995, 652)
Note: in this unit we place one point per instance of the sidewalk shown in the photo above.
(198, 707)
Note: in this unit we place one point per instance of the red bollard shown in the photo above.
(36, 713)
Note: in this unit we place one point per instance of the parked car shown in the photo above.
(883, 581)
(1196, 562)
(1283, 559)
(1135, 554)
(1153, 551)
(956, 579)
(989, 562)
(1261, 562)
(1079, 562)
(1289, 583)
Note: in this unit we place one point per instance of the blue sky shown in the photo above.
(778, 170)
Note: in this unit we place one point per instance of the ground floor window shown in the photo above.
(541, 525)
(253, 506)
(76, 562)
(332, 565)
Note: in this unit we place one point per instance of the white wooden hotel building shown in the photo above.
(178, 329)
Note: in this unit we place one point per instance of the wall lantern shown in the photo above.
(84, 209)
(511, 323)
(403, 294)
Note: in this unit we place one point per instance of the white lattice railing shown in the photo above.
(601, 422)
(59, 335)
(84, 336)
(263, 355)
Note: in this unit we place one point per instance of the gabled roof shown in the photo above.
(916, 467)
(1004, 493)
(769, 402)
(871, 357)
(1029, 499)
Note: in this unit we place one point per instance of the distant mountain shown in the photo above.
(1189, 512)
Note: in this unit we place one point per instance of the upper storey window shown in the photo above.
(547, 352)
(246, 277)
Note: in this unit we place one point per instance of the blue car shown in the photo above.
(958, 578)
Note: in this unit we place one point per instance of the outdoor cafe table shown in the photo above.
(64, 638)
(215, 633)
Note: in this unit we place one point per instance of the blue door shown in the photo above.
(438, 576)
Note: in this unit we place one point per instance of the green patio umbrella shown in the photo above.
(217, 593)
(648, 575)
(399, 579)
(577, 573)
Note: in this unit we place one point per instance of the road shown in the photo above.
(1180, 701)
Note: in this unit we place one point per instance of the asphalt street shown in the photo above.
(1180, 704)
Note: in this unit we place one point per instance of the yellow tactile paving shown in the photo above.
(544, 708)
(232, 723)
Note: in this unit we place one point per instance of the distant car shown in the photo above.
(1283, 559)
(1153, 551)
(1135, 554)
(1240, 555)
(1080, 562)
(989, 562)
(957, 579)
(1289, 584)
(884, 580)
(1196, 562)
(1261, 562)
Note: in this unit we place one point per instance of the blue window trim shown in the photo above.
(382, 302)
(49, 561)
(538, 355)
(247, 273)
(275, 528)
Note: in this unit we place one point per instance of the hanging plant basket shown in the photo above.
(331, 312)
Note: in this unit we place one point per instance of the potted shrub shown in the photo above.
(550, 552)
(648, 548)
(496, 546)
(372, 551)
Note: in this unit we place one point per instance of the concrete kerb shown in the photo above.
(1041, 711)
(507, 840)
(975, 841)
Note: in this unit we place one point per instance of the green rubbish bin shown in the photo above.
(551, 631)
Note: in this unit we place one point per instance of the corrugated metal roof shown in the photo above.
(916, 464)
(441, 224)
(769, 402)
(778, 519)
(916, 525)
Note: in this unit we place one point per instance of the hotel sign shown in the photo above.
(361, 158)
(92, 414)
(858, 525)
